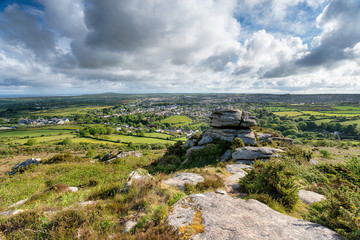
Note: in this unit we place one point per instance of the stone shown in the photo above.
(73, 189)
(205, 140)
(193, 149)
(227, 134)
(108, 156)
(264, 137)
(129, 225)
(214, 216)
(252, 153)
(226, 118)
(139, 174)
(226, 156)
(130, 153)
(283, 139)
(23, 165)
(310, 197)
(12, 212)
(247, 120)
(181, 179)
(237, 171)
(221, 191)
(235, 168)
(313, 162)
(19, 203)
(190, 142)
(86, 203)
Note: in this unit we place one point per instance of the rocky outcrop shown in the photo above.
(23, 165)
(228, 134)
(181, 179)
(219, 216)
(231, 118)
(228, 124)
(252, 153)
(136, 175)
(309, 197)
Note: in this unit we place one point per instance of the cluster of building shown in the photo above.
(38, 122)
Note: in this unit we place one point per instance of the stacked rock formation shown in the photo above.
(228, 124)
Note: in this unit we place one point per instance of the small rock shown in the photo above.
(73, 189)
(12, 212)
(313, 162)
(309, 197)
(108, 156)
(190, 142)
(193, 149)
(226, 156)
(19, 203)
(129, 225)
(264, 137)
(221, 191)
(181, 179)
(139, 174)
(23, 165)
(205, 140)
(235, 168)
(86, 203)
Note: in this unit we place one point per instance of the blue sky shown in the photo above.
(59, 47)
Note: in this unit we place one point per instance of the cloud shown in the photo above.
(21, 27)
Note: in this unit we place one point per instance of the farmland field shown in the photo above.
(34, 133)
(289, 113)
(178, 119)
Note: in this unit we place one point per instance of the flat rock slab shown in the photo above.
(181, 179)
(252, 153)
(309, 197)
(234, 168)
(225, 217)
(228, 134)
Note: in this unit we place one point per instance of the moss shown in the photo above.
(194, 228)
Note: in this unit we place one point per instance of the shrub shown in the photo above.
(325, 153)
(339, 212)
(58, 158)
(209, 155)
(354, 165)
(67, 142)
(31, 142)
(91, 153)
(237, 143)
(275, 179)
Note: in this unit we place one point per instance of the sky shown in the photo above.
(71, 47)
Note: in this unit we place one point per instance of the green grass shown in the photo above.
(352, 122)
(177, 119)
(47, 139)
(135, 139)
(280, 109)
(331, 114)
(347, 108)
(34, 133)
(158, 135)
(288, 113)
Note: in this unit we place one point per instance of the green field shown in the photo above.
(280, 109)
(34, 133)
(136, 139)
(288, 113)
(48, 139)
(177, 119)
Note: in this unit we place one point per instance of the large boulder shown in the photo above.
(24, 165)
(216, 216)
(231, 118)
(228, 134)
(181, 179)
(252, 153)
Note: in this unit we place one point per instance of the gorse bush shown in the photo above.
(274, 178)
(59, 158)
(339, 212)
(325, 153)
(354, 165)
(209, 155)
(237, 143)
